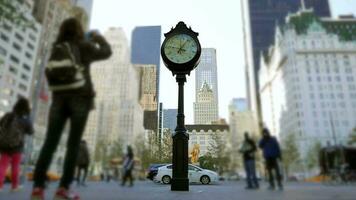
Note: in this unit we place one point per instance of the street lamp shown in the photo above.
(180, 52)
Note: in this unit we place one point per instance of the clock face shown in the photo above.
(180, 48)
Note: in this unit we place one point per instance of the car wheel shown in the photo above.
(166, 179)
(205, 180)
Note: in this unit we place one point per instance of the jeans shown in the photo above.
(79, 170)
(127, 175)
(272, 164)
(76, 109)
(250, 169)
(5, 159)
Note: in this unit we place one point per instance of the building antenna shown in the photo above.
(303, 4)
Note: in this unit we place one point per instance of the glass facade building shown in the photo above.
(145, 48)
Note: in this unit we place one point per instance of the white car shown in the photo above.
(195, 175)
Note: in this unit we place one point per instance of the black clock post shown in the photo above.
(181, 54)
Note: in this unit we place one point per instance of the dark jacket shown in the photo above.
(83, 155)
(25, 127)
(88, 52)
(248, 149)
(270, 147)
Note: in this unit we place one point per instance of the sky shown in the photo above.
(219, 25)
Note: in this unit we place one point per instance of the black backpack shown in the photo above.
(64, 71)
(11, 133)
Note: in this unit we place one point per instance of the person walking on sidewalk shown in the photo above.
(13, 127)
(248, 150)
(128, 167)
(271, 153)
(82, 163)
(68, 76)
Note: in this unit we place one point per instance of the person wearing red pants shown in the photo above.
(13, 127)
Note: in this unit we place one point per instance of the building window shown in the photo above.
(32, 37)
(13, 70)
(28, 55)
(4, 37)
(24, 77)
(3, 51)
(14, 59)
(17, 47)
(22, 87)
(350, 79)
(26, 67)
(19, 37)
(30, 46)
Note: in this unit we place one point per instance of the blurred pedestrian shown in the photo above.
(272, 154)
(248, 150)
(13, 127)
(83, 162)
(68, 76)
(128, 166)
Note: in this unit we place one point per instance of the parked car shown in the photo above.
(195, 175)
(153, 169)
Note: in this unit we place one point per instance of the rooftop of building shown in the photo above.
(207, 127)
(344, 26)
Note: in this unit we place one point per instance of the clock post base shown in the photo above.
(180, 184)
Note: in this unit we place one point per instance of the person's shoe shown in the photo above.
(65, 194)
(37, 194)
(248, 188)
(280, 187)
(271, 188)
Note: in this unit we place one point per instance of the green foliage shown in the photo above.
(352, 137)
(208, 162)
(290, 152)
(219, 153)
(154, 150)
(14, 13)
(104, 152)
(312, 158)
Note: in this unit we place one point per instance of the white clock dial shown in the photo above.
(180, 48)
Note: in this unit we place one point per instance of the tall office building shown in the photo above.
(18, 48)
(118, 114)
(260, 18)
(207, 72)
(87, 5)
(308, 80)
(145, 48)
(205, 107)
(170, 119)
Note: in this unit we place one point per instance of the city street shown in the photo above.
(145, 190)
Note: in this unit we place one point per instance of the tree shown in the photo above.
(14, 12)
(208, 162)
(312, 158)
(352, 137)
(291, 153)
(166, 146)
(218, 151)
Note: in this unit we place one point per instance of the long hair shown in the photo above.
(22, 107)
(70, 31)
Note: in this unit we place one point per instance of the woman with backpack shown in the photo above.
(13, 127)
(68, 75)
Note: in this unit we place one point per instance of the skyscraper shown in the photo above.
(87, 5)
(260, 18)
(118, 116)
(170, 119)
(205, 107)
(207, 72)
(145, 48)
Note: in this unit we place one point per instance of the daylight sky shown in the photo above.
(219, 25)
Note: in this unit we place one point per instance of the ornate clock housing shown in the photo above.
(181, 49)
